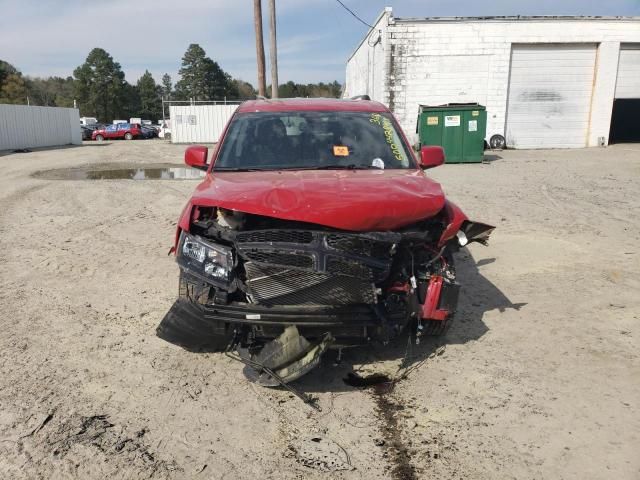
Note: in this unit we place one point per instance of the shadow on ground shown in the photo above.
(18, 151)
(479, 295)
(490, 157)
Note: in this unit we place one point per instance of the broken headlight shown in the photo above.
(207, 260)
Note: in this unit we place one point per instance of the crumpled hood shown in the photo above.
(356, 200)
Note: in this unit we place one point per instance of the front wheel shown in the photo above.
(128, 136)
(99, 138)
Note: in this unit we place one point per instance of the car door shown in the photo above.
(123, 128)
(110, 131)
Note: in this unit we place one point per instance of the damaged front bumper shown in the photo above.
(252, 287)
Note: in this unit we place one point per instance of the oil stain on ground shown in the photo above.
(386, 410)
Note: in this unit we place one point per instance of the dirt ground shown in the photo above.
(539, 376)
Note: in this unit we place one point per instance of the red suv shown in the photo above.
(128, 131)
(315, 226)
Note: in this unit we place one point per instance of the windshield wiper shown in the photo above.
(351, 166)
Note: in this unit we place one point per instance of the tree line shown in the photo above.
(100, 89)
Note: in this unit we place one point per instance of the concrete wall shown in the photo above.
(22, 126)
(434, 61)
(367, 69)
(199, 123)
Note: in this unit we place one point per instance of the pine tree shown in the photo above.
(202, 79)
(150, 102)
(167, 87)
(100, 86)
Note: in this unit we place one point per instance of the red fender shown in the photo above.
(454, 218)
(183, 223)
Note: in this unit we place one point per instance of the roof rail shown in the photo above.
(361, 97)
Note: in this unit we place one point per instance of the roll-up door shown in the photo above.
(550, 89)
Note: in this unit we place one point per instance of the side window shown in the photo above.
(111, 128)
(123, 126)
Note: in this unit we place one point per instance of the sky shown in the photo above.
(315, 37)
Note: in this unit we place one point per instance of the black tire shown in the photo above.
(167, 136)
(186, 326)
(99, 138)
(128, 136)
(497, 142)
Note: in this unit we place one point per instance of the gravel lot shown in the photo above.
(538, 378)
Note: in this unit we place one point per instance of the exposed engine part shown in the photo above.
(230, 219)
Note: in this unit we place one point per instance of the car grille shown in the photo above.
(269, 285)
(278, 236)
(280, 258)
(341, 266)
(334, 253)
(359, 245)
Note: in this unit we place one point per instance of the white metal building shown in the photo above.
(22, 126)
(547, 82)
(199, 123)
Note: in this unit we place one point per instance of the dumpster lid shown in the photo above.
(453, 106)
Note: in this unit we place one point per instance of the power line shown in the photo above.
(354, 14)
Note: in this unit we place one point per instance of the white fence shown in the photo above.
(199, 123)
(22, 126)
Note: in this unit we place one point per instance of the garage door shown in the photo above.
(626, 106)
(628, 83)
(550, 90)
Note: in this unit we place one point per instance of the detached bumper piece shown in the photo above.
(284, 359)
(185, 326)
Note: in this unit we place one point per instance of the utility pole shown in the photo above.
(257, 19)
(273, 49)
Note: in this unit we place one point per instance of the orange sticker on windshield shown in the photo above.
(339, 151)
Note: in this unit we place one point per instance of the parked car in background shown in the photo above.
(87, 132)
(148, 131)
(86, 121)
(128, 131)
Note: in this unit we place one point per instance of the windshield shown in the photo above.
(312, 140)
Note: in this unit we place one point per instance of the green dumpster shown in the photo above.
(459, 128)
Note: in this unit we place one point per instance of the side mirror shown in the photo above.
(431, 156)
(196, 157)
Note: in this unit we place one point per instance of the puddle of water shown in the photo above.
(123, 172)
